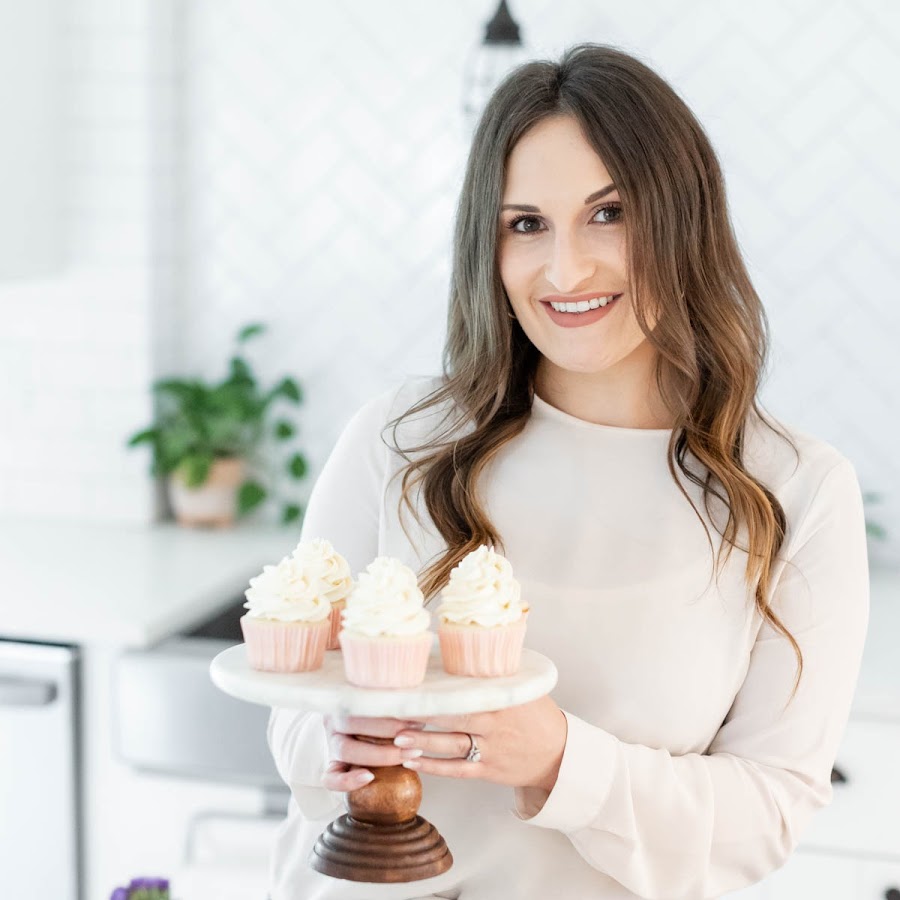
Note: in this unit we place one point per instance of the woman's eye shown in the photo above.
(610, 208)
(514, 224)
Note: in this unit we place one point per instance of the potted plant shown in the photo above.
(206, 437)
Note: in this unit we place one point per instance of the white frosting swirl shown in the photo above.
(386, 600)
(319, 560)
(482, 591)
(287, 593)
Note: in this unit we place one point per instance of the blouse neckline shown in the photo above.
(543, 409)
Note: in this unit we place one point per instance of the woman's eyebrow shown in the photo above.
(595, 196)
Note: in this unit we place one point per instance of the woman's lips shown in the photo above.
(575, 320)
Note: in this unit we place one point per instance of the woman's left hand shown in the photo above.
(521, 746)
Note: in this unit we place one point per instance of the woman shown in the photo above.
(697, 573)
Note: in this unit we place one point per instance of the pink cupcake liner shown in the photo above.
(285, 646)
(472, 650)
(336, 625)
(385, 662)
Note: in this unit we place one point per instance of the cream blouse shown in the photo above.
(686, 773)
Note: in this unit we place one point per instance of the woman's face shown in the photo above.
(562, 239)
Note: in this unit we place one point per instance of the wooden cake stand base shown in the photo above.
(382, 838)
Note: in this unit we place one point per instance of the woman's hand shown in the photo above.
(521, 746)
(346, 772)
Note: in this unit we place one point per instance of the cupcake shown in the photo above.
(385, 637)
(318, 559)
(287, 626)
(481, 621)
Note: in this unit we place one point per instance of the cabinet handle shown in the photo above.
(892, 894)
(838, 777)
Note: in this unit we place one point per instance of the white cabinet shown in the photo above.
(879, 881)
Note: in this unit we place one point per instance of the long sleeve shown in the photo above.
(344, 507)
(699, 825)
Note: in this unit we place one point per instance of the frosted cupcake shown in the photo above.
(385, 637)
(287, 626)
(481, 621)
(318, 559)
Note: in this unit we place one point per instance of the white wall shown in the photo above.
(75, 349)
(326, 146)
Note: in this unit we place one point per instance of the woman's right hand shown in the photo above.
(349, 757)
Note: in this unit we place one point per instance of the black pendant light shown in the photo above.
(500, 50)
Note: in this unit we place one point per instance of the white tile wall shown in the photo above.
(75, 348)
(299, 163)
(326, 148)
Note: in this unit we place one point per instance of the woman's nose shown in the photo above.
(569, 265)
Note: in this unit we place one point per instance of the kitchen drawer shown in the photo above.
(864, 815)
(878, 880)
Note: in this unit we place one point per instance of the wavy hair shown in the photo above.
(711, 332)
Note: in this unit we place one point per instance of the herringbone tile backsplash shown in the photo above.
(326, 145)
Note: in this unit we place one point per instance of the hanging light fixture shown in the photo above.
(500, 51)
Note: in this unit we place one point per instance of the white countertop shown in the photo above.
(125, 585)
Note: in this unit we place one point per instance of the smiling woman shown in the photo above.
(696, 570)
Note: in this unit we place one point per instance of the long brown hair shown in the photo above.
(711, 331)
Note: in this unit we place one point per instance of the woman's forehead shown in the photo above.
(554, 155)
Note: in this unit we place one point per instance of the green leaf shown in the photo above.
(284, 430)
(249, 331)
(241, 371)
(876, 531)
(181, 388)
(297, 465)
(250, 495)
(289, 389)
(196, 468)
(142, 437)
(291, 513)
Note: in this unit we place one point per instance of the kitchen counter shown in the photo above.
(125, 585)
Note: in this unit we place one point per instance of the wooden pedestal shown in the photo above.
(382, 839)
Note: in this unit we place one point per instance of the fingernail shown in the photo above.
(411, 764)
(410, 754)
(365, 777)
(403, 741)
(415, 726)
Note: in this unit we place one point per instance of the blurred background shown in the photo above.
(172, 171)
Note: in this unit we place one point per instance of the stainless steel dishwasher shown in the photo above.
(39, 802)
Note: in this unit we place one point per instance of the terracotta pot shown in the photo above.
(212, 503)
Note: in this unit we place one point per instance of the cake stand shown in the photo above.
(382, 838)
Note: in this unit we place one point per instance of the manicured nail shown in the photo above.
(414, 726)
(412, 764)
(365, 777)
(403, 741)
(410, 754)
